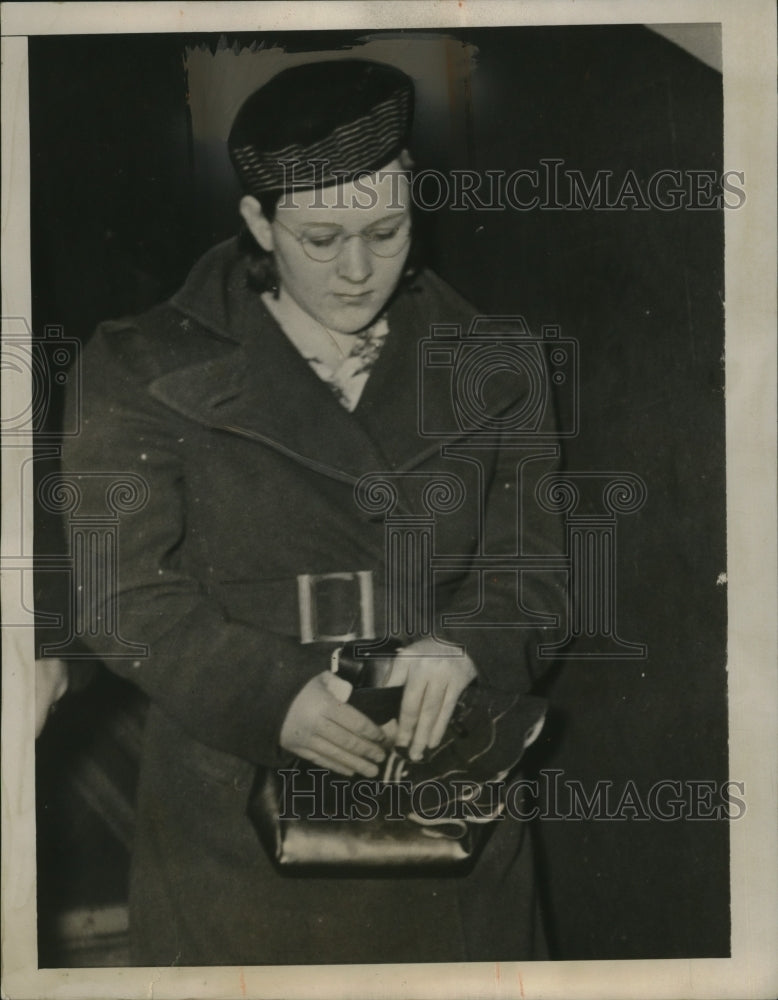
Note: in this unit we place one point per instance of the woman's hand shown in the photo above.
(434, 676)
(323, 729)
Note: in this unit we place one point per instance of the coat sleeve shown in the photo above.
(228, 684)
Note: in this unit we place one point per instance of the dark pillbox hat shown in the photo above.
(321, 123)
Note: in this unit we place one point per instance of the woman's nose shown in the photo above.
(355, 260)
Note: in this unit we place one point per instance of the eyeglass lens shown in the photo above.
(386, 241)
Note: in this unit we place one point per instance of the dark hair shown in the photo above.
(260, 264)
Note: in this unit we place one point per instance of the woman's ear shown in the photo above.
(257, 222)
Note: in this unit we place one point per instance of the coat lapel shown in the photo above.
(400, 402)
(257, 385)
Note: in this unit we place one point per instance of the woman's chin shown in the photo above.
(351, 317)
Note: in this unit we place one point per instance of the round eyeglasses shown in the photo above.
(323, 243)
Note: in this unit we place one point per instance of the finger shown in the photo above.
(390, 732)
(398, 672)
(347, 762)
(354, 721)
(322, 760)
(413, 695)
(347, 740)
(444, 716)
(428, 714)
(337, 686)
(381, 670)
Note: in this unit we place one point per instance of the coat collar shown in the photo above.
(257, 385)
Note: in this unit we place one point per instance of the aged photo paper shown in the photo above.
(586, 193)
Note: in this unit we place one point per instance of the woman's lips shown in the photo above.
(353, 298)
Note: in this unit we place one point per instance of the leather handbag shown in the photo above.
(429, 816)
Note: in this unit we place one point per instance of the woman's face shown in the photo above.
(346, 293)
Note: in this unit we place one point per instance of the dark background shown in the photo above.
(122, 206)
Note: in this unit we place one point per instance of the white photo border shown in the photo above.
(749, 65)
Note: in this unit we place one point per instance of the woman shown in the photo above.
(251, 404)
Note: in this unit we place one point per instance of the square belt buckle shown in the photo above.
(332, 601)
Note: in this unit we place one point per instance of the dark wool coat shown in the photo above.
(250, 464)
